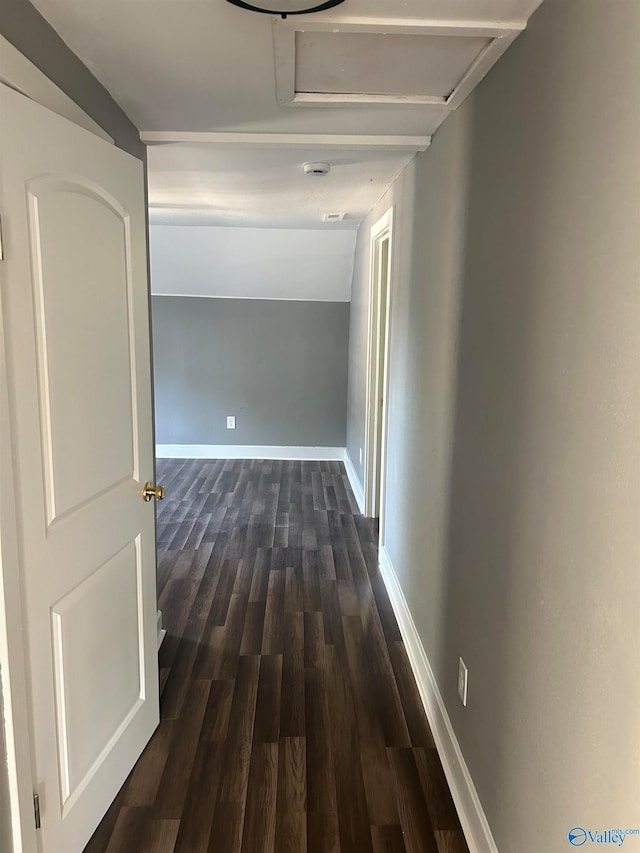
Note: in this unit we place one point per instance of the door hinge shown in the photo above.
(36, 810)
(1, 249)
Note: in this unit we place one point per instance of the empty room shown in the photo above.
(319, 426)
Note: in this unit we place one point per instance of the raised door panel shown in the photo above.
(82, 298)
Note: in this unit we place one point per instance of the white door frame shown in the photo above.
(12, 650)
(377, 373)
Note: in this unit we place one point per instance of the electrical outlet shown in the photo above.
(361, 456)
(463, 678)
(231, 421)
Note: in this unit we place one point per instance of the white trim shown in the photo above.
(21, 74)
(354, 480)
(472, 817)
(380, 142)
(377, 383)
(13, 675)
(284, 49)
(345, 99)
(251, 298)
(328, 22)
(248, 451)
(161, 631)
(481, 65)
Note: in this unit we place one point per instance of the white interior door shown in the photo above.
(76, 326)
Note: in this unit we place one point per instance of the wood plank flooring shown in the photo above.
(290, 719)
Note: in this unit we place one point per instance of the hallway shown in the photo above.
(290, 719)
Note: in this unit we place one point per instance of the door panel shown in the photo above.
(76, 326)
(83, 342)
(98, 685)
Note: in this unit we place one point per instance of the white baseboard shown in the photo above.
(161, 631)
(265, 451)
(356, 486)
(247, 451)
(472, 817)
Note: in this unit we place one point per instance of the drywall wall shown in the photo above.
(514, 462)
(26, 29)
(253, 263)
(279, 366)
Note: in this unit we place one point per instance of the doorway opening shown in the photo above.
(381, 265)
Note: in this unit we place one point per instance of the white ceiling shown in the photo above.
(196, 66)
(207, 65)
(207, 184)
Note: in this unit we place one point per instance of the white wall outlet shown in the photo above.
(361, 456)
(231, 421)
(463, 678)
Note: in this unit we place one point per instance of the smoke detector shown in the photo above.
(318, 169)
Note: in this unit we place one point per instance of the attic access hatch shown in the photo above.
(374, 61)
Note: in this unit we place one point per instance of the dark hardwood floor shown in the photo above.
(290, 719)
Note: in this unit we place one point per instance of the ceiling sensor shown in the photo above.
(333, 217)
(316, 168)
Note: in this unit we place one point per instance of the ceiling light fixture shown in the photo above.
(286, 7)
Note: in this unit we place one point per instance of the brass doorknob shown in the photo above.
(150, 491)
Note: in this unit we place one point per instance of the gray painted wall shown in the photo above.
(29, 32)
(279, 366)
(514, 459)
